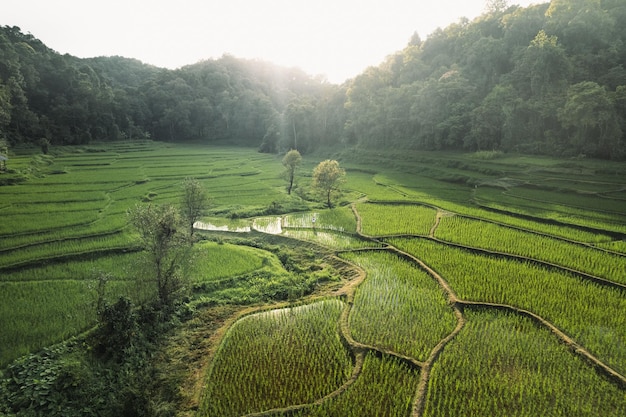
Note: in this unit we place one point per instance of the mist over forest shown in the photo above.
(548, 79)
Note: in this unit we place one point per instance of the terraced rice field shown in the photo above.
(491, 315)
(495, 295)
(69, 223)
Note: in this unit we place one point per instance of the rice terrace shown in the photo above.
(440, 283)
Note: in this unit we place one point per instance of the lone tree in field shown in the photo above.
(159, 228)
(291, 161)
(193, 203)
(327, 177)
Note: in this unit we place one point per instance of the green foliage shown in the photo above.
(117, 328)
(513, 79)
(327, 177)
(291, 161)
(101, 183)
(193, 202)
(64, 227)
(227, 274)
(55, 382)
(67, 380)
(159, 229)
(591, 116)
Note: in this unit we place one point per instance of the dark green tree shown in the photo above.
(590, 117)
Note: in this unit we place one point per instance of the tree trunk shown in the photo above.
(295, 135)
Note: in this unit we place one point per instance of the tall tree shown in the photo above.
(5, 109)
(299, 115)
(590, 116)
(193, 203)
(291, 161)
(327, 176)
(489, 120)
(159, 228)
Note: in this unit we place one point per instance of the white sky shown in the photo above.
(334, 38)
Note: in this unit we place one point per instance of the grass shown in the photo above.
(277, 359)
(387, 219)
(586, 311)
(36, 314)
(486, 235)
(213, 261)
(568, 208)
(60, 229)
(385, 387)
(504, 365)
(398, 307)
(64, 222)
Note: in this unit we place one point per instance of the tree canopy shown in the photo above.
(327, 177)
(510, 80)
(291, 161)
(159, 229)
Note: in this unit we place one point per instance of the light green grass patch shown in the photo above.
(398, 307)
(36, 314)
(214, 261)
(277, 359)
(589, 313)
(395, 219)
(490, 236)
(385, 387)
(503, 365)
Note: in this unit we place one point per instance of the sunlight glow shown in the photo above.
(337, 39)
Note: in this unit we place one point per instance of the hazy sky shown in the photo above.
(335, 38)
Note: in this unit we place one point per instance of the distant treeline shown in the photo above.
(546, 79)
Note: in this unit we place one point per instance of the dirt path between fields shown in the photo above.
(437, 220)
(458, 305)
(422, 387)
(359, 351)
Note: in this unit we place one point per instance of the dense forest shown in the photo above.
(546, 79)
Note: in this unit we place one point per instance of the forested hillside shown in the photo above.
(546, 79)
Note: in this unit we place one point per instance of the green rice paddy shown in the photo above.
(471, 287)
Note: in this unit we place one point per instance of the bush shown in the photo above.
(116, 331)
(55, 382)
